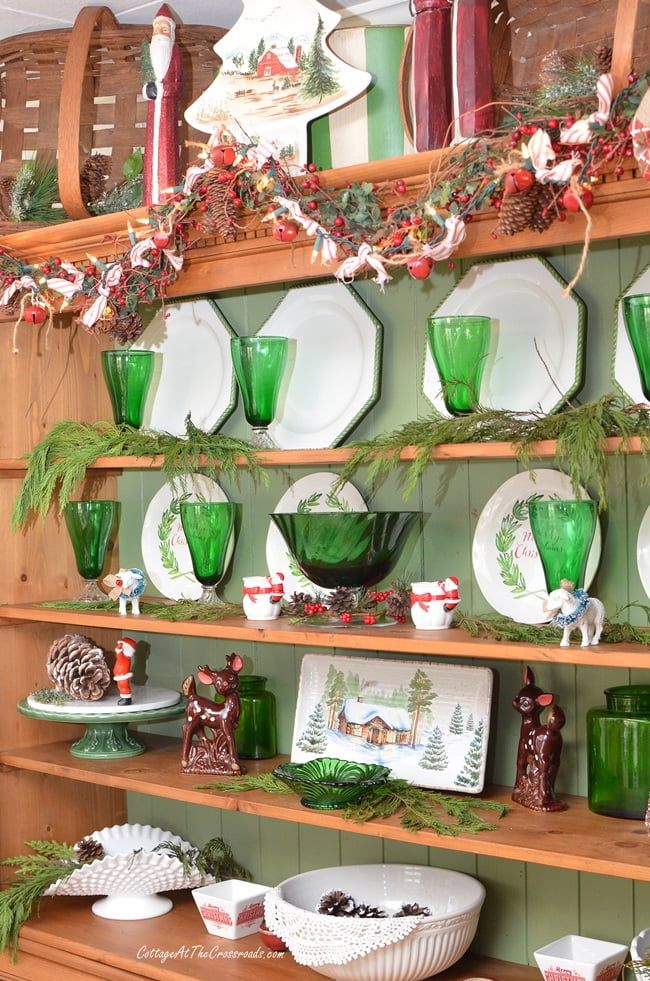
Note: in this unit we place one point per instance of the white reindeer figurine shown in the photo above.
(573, 609)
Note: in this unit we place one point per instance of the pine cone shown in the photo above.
(398, 604)
(88, 849)
(413, 909)
(365, 912)
(78, 668)
(516, 212)
(544, 212)
(296, 603)
(221, 210)
(336, 903)
(340, 600)
(126, 328)
(6, 184)
(603, 58)
(94, 175)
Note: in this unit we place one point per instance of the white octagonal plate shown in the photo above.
(536, 355)
(193, 372)
(333, 373)
(625, 369)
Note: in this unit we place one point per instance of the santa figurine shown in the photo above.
(122, 669)
(162, 77)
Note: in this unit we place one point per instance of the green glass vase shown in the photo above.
(128, 377)
(636, 311)
(563, 533)
(208, 526)
(89, 525)
(459, 346)
(259, 364)
(256, 733)
(618, 748)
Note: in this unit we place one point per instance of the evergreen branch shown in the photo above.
(579, 431)
(57, 465)
(34, 875)
(420, 809)
(216, 859)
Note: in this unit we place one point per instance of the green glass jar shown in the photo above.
(618, 745)
(256, 735)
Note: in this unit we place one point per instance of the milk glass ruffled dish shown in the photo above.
(131, 874)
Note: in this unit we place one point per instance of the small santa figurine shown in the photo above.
(123, 669)
(162, 78)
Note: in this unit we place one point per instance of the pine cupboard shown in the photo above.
(546, 875)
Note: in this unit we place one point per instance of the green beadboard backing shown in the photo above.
(520, 913)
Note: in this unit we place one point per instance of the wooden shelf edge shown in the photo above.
(115, 465)
(573, 839)
(396, 638)
(68, 936)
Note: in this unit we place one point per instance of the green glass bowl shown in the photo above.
(345, 548)
(327, 784)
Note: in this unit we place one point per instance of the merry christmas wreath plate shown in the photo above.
(535, 361)
(428, 722)
(193, 373)
(165, 551)
(332, 378)
(311, 493)
(506, 564)
(625, 369)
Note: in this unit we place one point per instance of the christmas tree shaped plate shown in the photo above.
(427, 722)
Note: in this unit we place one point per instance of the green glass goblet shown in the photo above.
(259, 364)
(636, 311)
(128, 376)
(89, 525)
(459, 346)
(208, 527)
(563, 533)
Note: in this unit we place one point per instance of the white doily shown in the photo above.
(314, 938)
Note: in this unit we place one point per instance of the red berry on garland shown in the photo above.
(285, 231)
(519, 180)
(345, 617)
(370, 618)
(420, 266)
(161, 239)
(34, 315)
(571, 201)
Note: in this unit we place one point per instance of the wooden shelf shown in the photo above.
(69, 942)
(397, 638)
(621, 209)
(571, 839)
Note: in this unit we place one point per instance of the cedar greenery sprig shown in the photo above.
(215, 859)
(580, 432)
(57, 465)
(419, 809)
(34, 874)
(502, 628)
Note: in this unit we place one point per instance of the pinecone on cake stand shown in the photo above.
(78, 667)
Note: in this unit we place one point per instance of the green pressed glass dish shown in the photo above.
(345, 548)
(328, 784)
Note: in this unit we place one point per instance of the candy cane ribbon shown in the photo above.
(22, 283)
(137, 255)
(261, 152)
(355, 263)
(111, 278)
(640, 133)
(67, 287)
(455, 232)
(581, 130)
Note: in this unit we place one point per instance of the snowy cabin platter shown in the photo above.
(428, 722)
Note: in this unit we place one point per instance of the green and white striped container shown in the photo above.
(370, 127)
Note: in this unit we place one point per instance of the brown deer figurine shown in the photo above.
(218, 753)
(539, 750)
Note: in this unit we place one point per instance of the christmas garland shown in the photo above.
(537, 167)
